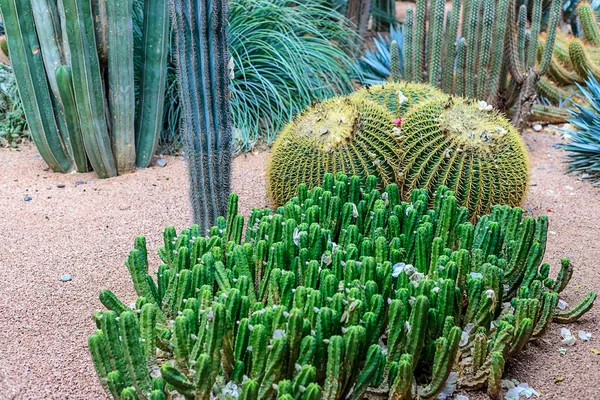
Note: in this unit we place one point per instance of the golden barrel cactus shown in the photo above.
(343, 134)
(466, 146)
(400, 97)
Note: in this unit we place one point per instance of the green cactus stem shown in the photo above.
(573, 314)
(121, 94)
(72, 135)
(28, 67)
(155, 42)
(87, 85)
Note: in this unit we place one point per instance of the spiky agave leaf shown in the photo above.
(584, 147)
(374, 64)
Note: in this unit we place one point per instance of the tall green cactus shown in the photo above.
(28, 67)
(202, 62)
(121, 93)
(78, 80)
(492, 37)
(358, 12)
(440, 293)
(88, 86)
(153, 80)
(525, 74)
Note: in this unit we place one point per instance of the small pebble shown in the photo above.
(161, 162)
(537, 127)
(65, 277)
(27, 198)
(79, 182)
(90, 182)
(60, 185)
(36, 156)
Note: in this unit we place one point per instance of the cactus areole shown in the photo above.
(342, 293)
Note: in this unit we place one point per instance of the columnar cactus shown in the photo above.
(203, 77)
(73, 62)
(359, 12)
(492, 37)
(304, 305)
(28, 67)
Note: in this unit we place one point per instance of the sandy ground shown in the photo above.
(86, 230)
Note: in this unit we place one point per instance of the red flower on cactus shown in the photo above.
(398, 121)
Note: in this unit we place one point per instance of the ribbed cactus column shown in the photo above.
(121, 92)
(88, 86)
(359, 11)
(153, 80)
(202, 61)
(28, 67)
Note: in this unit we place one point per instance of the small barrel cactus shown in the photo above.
(343, 293)
(342, 134)
(466, 146)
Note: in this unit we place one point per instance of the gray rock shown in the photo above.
(27, 198)
(65, 277)
(79, 182)
(60, 185)
(161, 162)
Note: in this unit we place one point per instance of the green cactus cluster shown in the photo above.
(574, 59)
(494, 59)
(344, 292)
(405, 133)
(73, 63)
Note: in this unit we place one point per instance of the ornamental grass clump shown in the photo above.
(342, 293)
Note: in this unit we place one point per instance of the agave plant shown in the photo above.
(584, 147)
(374, 64)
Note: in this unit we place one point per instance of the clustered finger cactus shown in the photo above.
(342, 293)
(425, 140)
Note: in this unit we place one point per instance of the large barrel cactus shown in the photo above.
(464, 145)
(344, 134)
(344, 293)
(411, 134)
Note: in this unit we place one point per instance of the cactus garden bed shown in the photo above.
(86, 230)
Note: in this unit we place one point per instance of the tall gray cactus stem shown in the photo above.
(202, 62)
